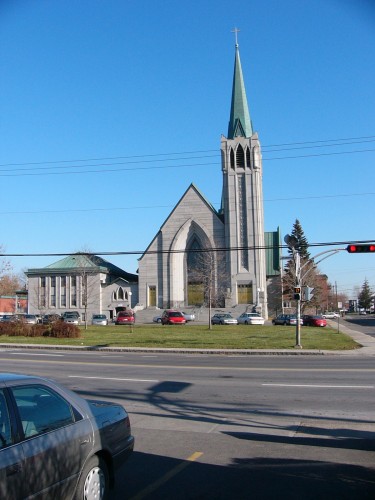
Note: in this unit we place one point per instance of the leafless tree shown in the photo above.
(207, 268)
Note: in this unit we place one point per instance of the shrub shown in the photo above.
(62, 330)
(58, 329)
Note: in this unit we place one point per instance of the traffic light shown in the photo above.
(308, 293)
(297, 293)
(361, 248)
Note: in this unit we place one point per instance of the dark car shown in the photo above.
(48, 319)
(55, 444)
(171, 317)
(286, 319)
(310, 320)
(125, 318)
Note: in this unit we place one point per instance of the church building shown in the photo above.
(203, 255)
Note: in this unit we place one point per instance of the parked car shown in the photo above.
(9, 318)
(310, 320)
(55, 444)
(189, 316)
(156, 319)
(331, 315)
(250, 319)
(30, 319)
(223, 319)
(286, 319)
(47, 319)
(72, 318)
(125, 318)
(171, 317)
(99, 319)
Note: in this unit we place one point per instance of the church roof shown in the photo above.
(239, 123)
(84, 262)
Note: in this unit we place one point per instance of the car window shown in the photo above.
(5, 430)
(41, 409)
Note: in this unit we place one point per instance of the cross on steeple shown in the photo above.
(235, 31)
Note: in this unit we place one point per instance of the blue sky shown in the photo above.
(110, 109)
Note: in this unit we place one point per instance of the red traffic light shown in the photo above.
(361, 248)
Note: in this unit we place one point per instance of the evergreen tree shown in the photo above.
(365, 296)
(302, 243)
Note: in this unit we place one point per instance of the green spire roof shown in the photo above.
(239, 122)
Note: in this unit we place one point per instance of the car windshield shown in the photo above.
(175, 314)
(99, 316)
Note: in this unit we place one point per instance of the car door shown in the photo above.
(57, 440)
(12, 476)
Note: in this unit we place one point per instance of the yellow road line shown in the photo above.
(164, 479)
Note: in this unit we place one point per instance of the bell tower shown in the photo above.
(242, 202)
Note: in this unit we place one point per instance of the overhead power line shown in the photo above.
(63, 165)
(201, 250)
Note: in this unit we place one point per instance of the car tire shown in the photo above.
(158, 320)
(94, 480)
(246, 322)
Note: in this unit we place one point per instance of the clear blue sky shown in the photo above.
(110, 109)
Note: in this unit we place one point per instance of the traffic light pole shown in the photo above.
(297, 261)
(291, 242)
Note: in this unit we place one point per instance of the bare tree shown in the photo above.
(9, 282)
(207, 269)
(89, 285)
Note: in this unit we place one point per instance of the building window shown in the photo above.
(240, 157)
(42, 292)
(73, 291)
(52, 291)
(63, 291)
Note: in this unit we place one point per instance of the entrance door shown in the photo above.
(152, 296)
(195, 294)
(245, 294)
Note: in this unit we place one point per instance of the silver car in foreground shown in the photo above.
(55, 444)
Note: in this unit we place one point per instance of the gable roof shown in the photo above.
(201, 196)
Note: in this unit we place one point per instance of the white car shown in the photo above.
(157, 319)
(331, 315)
(189, 316)
(250, 319)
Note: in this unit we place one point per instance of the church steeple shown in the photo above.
(239, 123)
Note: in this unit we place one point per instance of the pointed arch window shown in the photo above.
(231, 156)
(240, 157)
(248, 163)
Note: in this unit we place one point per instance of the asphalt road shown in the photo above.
(231, 427)
(362, 323)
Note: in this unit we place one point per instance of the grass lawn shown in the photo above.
(199, 336)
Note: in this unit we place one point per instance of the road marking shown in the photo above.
(36, 354)
(320, 386)
(114, 378)
(154, 486)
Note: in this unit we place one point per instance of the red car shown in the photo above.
(125, 318)
(314, 320)
(170, 317)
